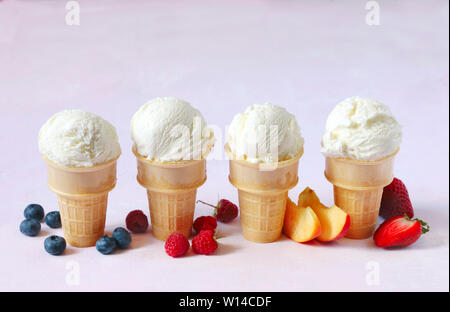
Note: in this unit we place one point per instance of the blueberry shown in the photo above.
(105, 244)
(53, 219)
(34, 211)
(122, 237)
(55, 245)
(30, 227)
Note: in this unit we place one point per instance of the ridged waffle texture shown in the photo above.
(362, 207)
(82, 197)
(171, 191)
(262, 215)
(358, 188)
(171, 212)
(83, 218)
(263, 192)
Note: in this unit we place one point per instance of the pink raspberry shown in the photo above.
(176, 245)
(225, 211)
(205, 223)
(204, 243)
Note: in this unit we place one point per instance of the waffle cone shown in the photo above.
(358, 188)
(171, 191)
(82, 198)
(263, 191)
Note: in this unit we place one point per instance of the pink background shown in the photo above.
(222, 57)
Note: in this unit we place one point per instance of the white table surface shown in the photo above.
(223, 56)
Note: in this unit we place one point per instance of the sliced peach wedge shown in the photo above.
(300, 223)
(334, 221)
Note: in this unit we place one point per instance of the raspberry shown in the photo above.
(137, 221)
(205, 223)
(176, 245)
(225, 211)
(204, 243)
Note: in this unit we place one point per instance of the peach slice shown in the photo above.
(300, 223)
(335, 222)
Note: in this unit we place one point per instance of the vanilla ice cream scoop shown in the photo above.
(168, 129)
(264, 133)
(360, 128)
(75, 138)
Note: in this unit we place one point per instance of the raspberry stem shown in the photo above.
(206, 203)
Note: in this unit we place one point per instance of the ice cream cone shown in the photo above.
(82, 197)
(171, 190)
(358, 187)
(263, 191)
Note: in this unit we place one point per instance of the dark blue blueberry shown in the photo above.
(105, 244)
(53, 219)
(34, 211)
(30, 227)
(55, 245)
(122, 237)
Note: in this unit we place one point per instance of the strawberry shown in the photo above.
(395, 201)
(225, 211)
(205, 223)
(176, 245)
(399, 231)
(204, 243)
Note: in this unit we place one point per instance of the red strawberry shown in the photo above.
(399, 231)
(137, 221)
(176, 245)
(225, 211)
(395, 201)
(204, 243)
(205, 223)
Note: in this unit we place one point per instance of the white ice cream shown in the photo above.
(360, 128)
(264, 133)
(75, 138)
(169, 129)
